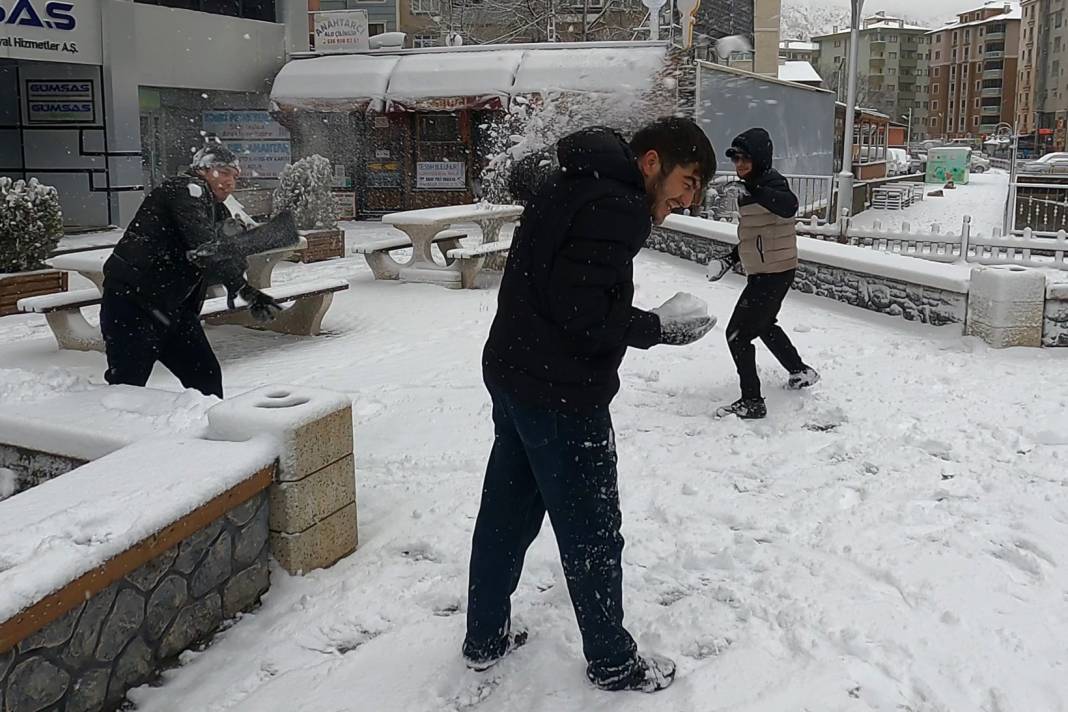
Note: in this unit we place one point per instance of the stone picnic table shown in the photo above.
(422, 226)
(90, 264)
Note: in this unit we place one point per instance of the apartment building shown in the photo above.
(1042, 95)
(974, 63)
(892, 61)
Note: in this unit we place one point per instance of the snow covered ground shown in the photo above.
(892, 540)
(983, 197)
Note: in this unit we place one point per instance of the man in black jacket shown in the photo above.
(767, 249)
(564, 321)
(153, 291)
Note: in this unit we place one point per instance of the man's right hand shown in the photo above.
(683, 320)
(262, 307)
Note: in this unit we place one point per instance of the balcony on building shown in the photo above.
(993, 73)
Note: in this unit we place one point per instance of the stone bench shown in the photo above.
(310, 301)
(383, 266)
(470, 259)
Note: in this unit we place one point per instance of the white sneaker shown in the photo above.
(803, 379)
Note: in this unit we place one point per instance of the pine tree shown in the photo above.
(304, 189)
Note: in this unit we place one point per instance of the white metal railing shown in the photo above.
(815, 195)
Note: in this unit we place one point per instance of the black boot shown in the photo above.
(649, 673)
(484, 658)
(745, 408)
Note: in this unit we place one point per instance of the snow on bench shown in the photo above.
(48, 303)
(312, 299)
(400, 241)
(71, 528)
(454, 214)
(482, 250)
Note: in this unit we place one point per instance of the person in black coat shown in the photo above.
(153, 291)
(767, 249)
(564, 320)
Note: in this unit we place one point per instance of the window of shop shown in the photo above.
(441, 153)
(249, 9)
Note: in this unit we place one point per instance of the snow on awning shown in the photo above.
(473, 78)
(482, 77)
(589, 70)
(798, 71)
(334, 83)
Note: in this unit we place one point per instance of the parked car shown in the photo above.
(1050, 163)
(918, 163)
(980, 163)
(897, 162)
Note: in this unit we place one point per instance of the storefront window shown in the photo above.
(250, 9)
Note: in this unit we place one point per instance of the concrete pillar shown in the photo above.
(1006, 305)
(294, 15)
(313, 500)
(122, 106)
(766, 36)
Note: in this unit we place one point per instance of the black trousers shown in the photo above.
(756, 316)
(565, 465)
(137, 336)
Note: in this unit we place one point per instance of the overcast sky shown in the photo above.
(935, 9)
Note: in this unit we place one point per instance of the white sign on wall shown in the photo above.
(261, 159)
(51, 30)
(244, 125)
(341, 31)
(440, 175)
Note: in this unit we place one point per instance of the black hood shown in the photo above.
(756, 144)
(599, 152)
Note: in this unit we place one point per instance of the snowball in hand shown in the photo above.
(683, 320)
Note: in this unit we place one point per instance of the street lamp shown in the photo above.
(908, 131)
(1009, 131)
(845, 178)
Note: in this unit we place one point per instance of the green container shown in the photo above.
(949, 162)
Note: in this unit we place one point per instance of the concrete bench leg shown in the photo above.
(382, 265)
(469, 269)
(73, 332)
(445, 246)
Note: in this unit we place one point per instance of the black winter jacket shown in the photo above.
(766, 185)
(150, 260)
(564, 315)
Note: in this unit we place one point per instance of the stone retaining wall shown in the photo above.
(117, 639)
(1055, 317)
(914, 302)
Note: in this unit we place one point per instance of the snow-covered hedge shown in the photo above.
(31, 224)
(304, 189)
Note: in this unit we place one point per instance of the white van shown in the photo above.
(897, 162)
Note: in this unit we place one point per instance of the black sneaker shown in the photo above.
(745, 408)
(480, 661)
(649, 673)
(803, 379)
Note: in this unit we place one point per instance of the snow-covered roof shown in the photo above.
(799, 71)
(484, 71)
(1015, 12)
(799, 46)
(589, 70)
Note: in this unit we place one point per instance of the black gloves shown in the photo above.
(261, 306)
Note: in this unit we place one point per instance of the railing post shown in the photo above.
(965, 237)
(843, 227)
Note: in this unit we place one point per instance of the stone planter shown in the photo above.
(20, 285)
(322, 245)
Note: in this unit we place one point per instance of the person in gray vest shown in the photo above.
(767, 249)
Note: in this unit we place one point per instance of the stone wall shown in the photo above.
(1055, 318)
(31, 468)
(913, 302)
(119, 638)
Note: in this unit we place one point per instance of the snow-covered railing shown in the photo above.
(935, 245)
(1031, 249)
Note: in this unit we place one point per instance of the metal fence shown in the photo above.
(1037, 202)
(815, 196)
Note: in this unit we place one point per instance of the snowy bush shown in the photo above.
(30, 224)
(304, 189)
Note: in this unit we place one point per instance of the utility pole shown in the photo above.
(845, 178)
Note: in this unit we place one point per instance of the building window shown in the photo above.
(976, 103)
(954, 37)
(249, 9)
(423, 41)
(975, 121)
(938, 54)
(838, 43)
(893, 55)
(893, 38)
(375, 28)
(426, 7)
(934, 104)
